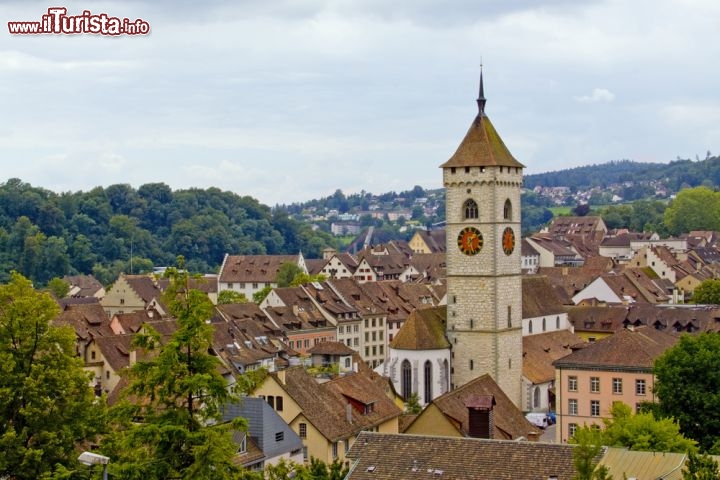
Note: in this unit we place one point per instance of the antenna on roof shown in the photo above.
(481, 96)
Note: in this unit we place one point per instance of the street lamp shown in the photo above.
(89, 458)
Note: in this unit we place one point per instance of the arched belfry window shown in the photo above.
(471, 209)
(406, 379)
(507, 210)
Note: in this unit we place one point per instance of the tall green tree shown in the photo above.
(175, 397)
(46, 404)
(688, 387)
(708, 292)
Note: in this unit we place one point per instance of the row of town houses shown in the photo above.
(379, 320)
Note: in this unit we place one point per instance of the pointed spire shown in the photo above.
(481, 97)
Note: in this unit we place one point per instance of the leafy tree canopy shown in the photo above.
(708, 292)
(693, 209)
(118, 228)
(643, 432)
(46, 405)
(231, 296)
(700, 467)
(688, 387)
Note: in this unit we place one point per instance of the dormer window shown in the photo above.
(242, 446)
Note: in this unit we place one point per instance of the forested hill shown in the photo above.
(675, 175)
(45, 234)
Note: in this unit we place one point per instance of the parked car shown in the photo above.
(538, 419)
(552, 418)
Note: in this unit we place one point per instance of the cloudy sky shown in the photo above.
(289, 100)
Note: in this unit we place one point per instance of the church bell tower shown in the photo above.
(484, 288)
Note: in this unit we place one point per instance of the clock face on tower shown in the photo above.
(508, 241)
(470, 241)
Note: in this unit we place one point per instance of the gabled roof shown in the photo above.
(386, 265)
(144, 286)
(315, 265)
(431, 265)
(326, 405)
(587, 226)
(482, 147)
(423, 330)
(508, 421)
(434, 239)
(254, 268)
(132, 322)
(556, 246)
(387, 298)
(606, 319)
(540, 351)
(88, 320)
(329, 300)
(83, 285)
(249, 318)
(631, 348)
(527, 249)
(539, 297)
(385, 456)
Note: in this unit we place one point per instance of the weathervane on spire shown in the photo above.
(481, 97)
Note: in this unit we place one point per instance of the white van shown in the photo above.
(538, 419)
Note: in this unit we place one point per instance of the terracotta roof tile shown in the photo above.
(539, 297)
(382, 456)
(540, 351)
(326, 405)
(627, 348)
(254, 268)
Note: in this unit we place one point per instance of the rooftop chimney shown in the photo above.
(480, 415)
